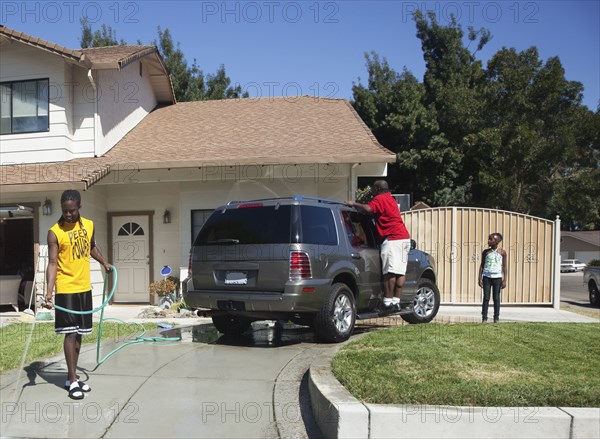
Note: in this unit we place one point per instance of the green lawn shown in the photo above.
(506, 364)
(45, 343)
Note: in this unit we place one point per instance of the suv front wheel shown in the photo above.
(335, 322)
(425, 304)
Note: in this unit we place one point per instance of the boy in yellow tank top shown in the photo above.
(70, 244)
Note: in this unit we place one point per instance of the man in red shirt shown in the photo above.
(395, 241)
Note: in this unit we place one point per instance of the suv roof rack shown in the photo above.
(293, 197)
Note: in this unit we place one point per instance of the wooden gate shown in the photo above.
(456, 236)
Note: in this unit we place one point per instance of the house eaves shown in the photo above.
(75, 56)
(38, 177)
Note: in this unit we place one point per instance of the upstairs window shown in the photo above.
(24, 106)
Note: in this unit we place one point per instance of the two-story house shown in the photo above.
(105, 121)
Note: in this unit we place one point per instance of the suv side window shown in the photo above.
(359, 230)
(318, 226)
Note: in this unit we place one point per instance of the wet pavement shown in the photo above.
(205, 385)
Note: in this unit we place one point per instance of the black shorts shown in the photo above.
(68, 323)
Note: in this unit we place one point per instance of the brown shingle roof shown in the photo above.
(74, 55)
(284, 130)
(116, 56)
(280, 130)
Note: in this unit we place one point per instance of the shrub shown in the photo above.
(594, 263)
(163, 287)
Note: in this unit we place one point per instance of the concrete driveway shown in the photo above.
(203, 386)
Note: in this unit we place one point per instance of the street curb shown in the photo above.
(340, 415)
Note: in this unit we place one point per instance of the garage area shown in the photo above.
(17, 248)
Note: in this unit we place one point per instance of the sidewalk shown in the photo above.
(515, 314)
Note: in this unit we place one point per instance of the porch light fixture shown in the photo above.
(167, 217)
(47, 208)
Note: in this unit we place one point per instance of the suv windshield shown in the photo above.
(254, 225)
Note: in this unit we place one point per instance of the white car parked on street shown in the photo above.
(571, 265)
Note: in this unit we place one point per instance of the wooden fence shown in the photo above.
(456, 236)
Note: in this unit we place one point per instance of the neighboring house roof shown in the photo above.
(284, 130)
(590, 237)
(103, 58)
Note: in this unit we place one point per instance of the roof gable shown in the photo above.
(110, 57)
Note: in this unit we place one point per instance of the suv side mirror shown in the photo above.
(413, 244)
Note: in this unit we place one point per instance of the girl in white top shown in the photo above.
(492, 275)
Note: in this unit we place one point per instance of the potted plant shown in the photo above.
(163, 292)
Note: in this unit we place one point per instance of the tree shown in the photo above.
(392, 106)
(189, 83)
(429, 125)
(513, 135)
(541, 139)
(106, 36)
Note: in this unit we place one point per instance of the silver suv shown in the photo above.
(309, 260)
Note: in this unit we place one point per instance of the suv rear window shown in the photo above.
(253, 225)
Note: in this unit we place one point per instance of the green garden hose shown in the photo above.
(105, 301)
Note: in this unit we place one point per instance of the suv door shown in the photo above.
(361, 236)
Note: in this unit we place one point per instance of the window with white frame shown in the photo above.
(24, 106)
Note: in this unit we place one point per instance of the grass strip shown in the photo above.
(507, 364)
(45, 343)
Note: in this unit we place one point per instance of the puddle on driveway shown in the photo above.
(262, 334)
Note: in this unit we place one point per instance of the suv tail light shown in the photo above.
(299, 266)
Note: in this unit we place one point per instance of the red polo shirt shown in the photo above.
(388, 218)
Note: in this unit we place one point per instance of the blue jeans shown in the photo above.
(494, 284)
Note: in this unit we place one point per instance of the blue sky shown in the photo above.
(274, 48)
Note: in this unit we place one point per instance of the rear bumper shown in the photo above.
(292, 300)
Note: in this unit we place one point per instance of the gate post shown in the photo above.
(556, 265)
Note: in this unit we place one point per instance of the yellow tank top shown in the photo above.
(74, 246)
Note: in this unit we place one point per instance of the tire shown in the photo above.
(231, 325)
(426, 303)
(594, 294)
(335, 322)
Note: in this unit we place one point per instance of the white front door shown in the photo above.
(131, 257)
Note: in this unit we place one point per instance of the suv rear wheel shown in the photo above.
(231, 325)
(426, 303)
(335, 322)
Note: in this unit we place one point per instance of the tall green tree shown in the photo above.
(429, 125)
(189, 82)
(513, 135)
(540, 141)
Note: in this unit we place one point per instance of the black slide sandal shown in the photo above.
(75, 392)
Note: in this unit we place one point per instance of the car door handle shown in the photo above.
(356, 256)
